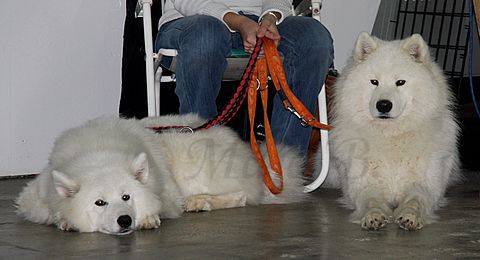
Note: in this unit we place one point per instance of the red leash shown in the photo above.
(231, 109)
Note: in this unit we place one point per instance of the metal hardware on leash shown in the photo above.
(303, 122)
(186, 129)
(259, 85)
(261, 130)
(178, 129)
(288, 106)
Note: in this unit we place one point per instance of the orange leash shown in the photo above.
(259, 82)
(272, 64)
(290, 101)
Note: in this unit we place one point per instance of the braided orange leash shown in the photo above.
(272, 64)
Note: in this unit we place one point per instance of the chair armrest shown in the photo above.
(138, 10)
(139, 7)
(305, 7)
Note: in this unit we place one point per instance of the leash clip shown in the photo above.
(303, 122)
(186, 129)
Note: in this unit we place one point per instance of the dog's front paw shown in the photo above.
(409, 219)
(198, 203)
(65, 226)
(149, 222)
(374, 219)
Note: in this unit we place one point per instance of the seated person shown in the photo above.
(205, 32)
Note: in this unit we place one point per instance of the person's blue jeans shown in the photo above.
(204, 42)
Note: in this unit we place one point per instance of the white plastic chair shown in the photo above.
(235, 66)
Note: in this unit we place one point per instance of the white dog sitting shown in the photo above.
(394, 142)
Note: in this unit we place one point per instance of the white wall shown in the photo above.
(346, 19)
(60, 64)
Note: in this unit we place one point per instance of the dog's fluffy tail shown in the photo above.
(30, 205)
(293, 178)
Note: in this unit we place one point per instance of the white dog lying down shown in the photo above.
(114, 175)
(394, 140)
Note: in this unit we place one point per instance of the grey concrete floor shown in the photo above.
(316, 229)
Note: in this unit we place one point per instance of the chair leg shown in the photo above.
(158, 81)
(151, 99)
(322, 108)
(147, 25)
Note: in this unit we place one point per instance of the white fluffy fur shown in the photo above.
(161, 174)
(396, 167)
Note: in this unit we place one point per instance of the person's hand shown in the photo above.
(268, 28)
(246, 27)
(250, 30)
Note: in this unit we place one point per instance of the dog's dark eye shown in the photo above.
(125, 197)
(400, 82)
(100, 203)
(374, 82)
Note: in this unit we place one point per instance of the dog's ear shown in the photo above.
(140, 168)
(365, 45)
(417, 48)
(65, 185)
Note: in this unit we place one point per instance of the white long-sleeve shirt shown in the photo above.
(218, 8)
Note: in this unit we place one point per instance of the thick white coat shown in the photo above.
(141, 176)
(409, 152)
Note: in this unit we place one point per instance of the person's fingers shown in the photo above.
(262, 30)
(269, 30)
(249, 44)
(272, 35)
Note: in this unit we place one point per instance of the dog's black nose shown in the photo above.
(124, 221)
(384, 106)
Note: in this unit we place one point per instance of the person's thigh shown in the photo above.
(199, 31)
(305, 39)
(203, 43)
